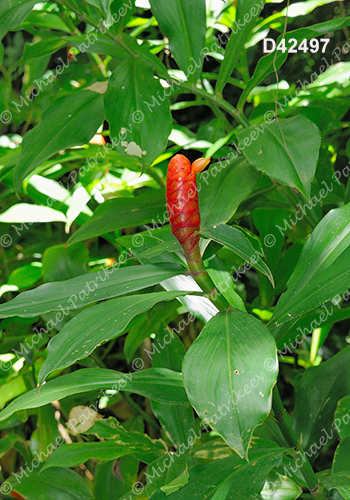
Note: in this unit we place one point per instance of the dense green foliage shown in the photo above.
(119, 377)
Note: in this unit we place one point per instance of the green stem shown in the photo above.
(202, 278)
(285, 425)
(192, 88)
(152, 422)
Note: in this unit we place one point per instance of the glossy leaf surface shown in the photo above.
(94, 326)
(83, 290)
(229, 372)
(287, 151)
(161, 385)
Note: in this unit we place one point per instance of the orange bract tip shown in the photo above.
(199, 165)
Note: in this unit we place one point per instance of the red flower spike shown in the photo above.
(184, 217)
(182, 200)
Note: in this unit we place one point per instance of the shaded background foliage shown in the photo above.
(95, 204)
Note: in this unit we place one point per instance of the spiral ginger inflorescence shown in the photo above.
(182, 200)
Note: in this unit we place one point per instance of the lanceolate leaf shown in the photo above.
(236, 241)
(229, 372)
(286, 150)
(246, 15)
(83, 290)
(322, 272)
(138, 111)
(320, 390)
(119, 213)
(159, 384)
(184, 25)
(71, 455)
(94, 326)
(70, 121)
(12, 13)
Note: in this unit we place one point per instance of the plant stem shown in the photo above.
(139, 410)
(285, 425)
(202, 278)
(214, 98)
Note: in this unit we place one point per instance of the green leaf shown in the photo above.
(232, 365)
(119, 213)
(14, 387)
(140, 124)
(183, 23)
(140, 327)
(178, 421)
(77, 292)
(102, 5)
(280, 487)
(158, 475)
(322, 272)
(219, 195)
(340, 481)
(246, 478)
(25, 276)
(25, 212)
(12, 14)
(303, 8)
(8, 442)
(201, 307)
(95, 326)
(158, 384)
(45, 20)
(148, 57)
(341, 460)
(47, 46)
(319, 391)
(103, 45)
(265, 65)
(342, 417)
(71, 120)
(247, 13)
(51, 484)
(222, 279)
(106, 484)
(176, 483)
(71, 455)
(289, 156)
(60, 262)
(236, 241)
(111, 429)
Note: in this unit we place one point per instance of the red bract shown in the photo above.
(182, 200)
